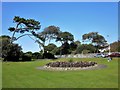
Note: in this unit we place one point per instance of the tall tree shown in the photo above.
(73, 47)
(24, 25)
(50, 47)
(65, 48)
(48, 34)
(10, 51)
(51, 32)
(64, 38)
(95, 38)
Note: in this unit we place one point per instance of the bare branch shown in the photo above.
(24, 35)
(14, 32)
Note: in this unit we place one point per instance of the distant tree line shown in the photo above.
(115, 46)
(29, 27)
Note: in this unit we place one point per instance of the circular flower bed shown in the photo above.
(64, 64)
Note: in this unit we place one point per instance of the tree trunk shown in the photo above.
(14, 32)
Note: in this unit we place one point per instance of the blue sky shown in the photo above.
(76, 18)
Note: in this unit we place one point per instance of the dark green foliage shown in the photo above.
(4, 41)
(51, 31)
(86, 47)
(37, 55)
(48, 55)
(10, 51)
(29, 53)
(30, 24)
(24, 25)
(65, 48)
(65, 37)
(26, 57)
(50, 47)
(79, 49)
(56, 51)
(94, 38)
(13, 52)
(73, 46)
(48, 34)
(11, 29)
(77, 42)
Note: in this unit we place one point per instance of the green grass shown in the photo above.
(0, 74)
(25, 75)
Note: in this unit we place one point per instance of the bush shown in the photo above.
(12, 53)
(48, 55)
(37, 55)
(26, 57)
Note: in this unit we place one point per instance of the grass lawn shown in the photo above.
(25, 75)
(0, 74)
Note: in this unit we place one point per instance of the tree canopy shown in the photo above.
(94, 38)
(23, 25)
(10, 51)
(51, 32)
(50, 47)
(65, 37)
(30, 27)
(48, 33)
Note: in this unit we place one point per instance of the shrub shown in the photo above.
(26, 57)
(12, 53)
(48, 55)
(37, 55)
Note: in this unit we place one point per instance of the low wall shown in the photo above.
(76, 56)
